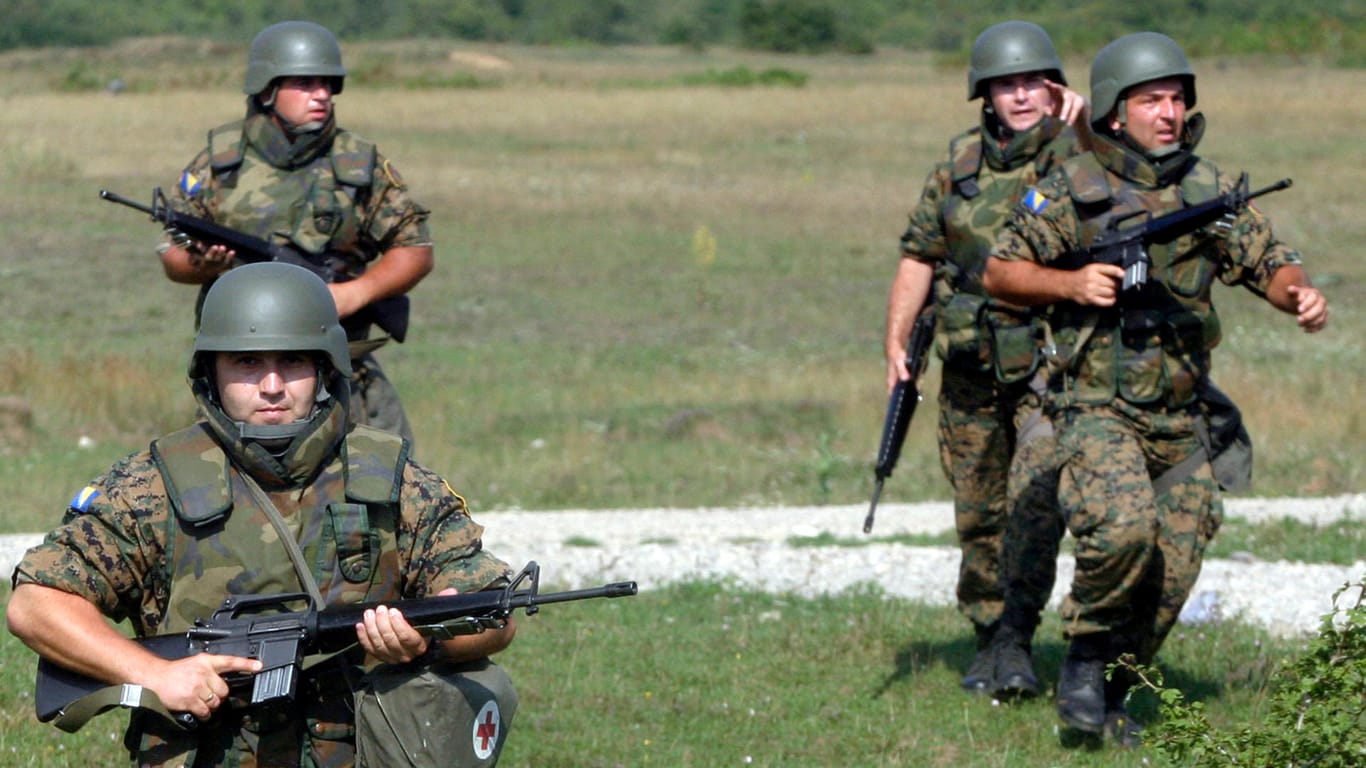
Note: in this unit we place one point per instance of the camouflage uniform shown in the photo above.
(987, 408)
(330, 194)
(1126, 403)
(373, 524)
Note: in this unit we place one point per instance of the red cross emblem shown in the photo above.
(486, 725)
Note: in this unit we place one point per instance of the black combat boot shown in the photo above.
(1014, 677)
(979, 675)
(1120, 726)
(1081, 683)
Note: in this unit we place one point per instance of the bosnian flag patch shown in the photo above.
(1035, 201)
(190, 184)
(81, 501)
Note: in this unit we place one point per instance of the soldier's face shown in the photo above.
(1155, 113)
(266, 388)
(304, 100)
(1020, 101)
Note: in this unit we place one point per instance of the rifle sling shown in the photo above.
(76, 714)
(1165, 482)
(296, 556)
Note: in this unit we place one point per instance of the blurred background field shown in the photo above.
(661, 272)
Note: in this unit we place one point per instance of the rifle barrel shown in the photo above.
(115, 197)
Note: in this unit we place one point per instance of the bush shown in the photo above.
(1317, 707)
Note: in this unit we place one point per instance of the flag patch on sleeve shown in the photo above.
(1035, 201)
(81, 501)
(190, 184)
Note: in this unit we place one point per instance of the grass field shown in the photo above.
(648, 294)
(696, 676)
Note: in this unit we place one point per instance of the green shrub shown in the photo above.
(1317, 707)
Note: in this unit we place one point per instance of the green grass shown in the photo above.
(664, 296)
(699, 675)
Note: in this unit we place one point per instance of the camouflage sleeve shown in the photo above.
(108, 542)
(1250, 253)
(924, 238)
(188, 194)
(440, 545)
(1042, 227)
(392, 218)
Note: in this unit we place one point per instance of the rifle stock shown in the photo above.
(389, 314)
(901, 407)
(281, 640)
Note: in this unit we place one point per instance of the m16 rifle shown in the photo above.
(1127, 247)
(281, 640)
(901, 406)
(389, 315)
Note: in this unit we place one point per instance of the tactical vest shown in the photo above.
(1153, 350)
(223, 543)
(975, 334)
(314, 206)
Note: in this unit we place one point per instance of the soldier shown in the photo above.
(289, 174)
(990, 424)
(1130, 377)
(274, 490)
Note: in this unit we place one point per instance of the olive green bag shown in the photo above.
(442, 714)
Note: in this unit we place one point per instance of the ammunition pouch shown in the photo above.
(960, 342)
(1014, 335)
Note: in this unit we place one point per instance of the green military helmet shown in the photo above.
(293, 48)
(1011, 48)
(1133, 59)
(271, 307)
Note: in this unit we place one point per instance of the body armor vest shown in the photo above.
(224, 542)
(1152, 348)
(976, 334)
(313, 206)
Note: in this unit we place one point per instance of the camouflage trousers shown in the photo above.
(374, 400)
(998, 457)
(1138, 554)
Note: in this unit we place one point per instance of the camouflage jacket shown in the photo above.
(1153, 350)
(372, 524)
(965, 201)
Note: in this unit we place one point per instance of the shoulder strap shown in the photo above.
(195, 470)
(965, 163)
(1201, 183)
(374, 465)
(1086, 181)
(226, 143)
(353, 159)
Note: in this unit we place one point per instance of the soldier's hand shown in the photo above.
(216, 259)
(195, 683)
(1095, 285)
(1068, 105)
(896, 368)
(1311, 307)
(388, 637)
